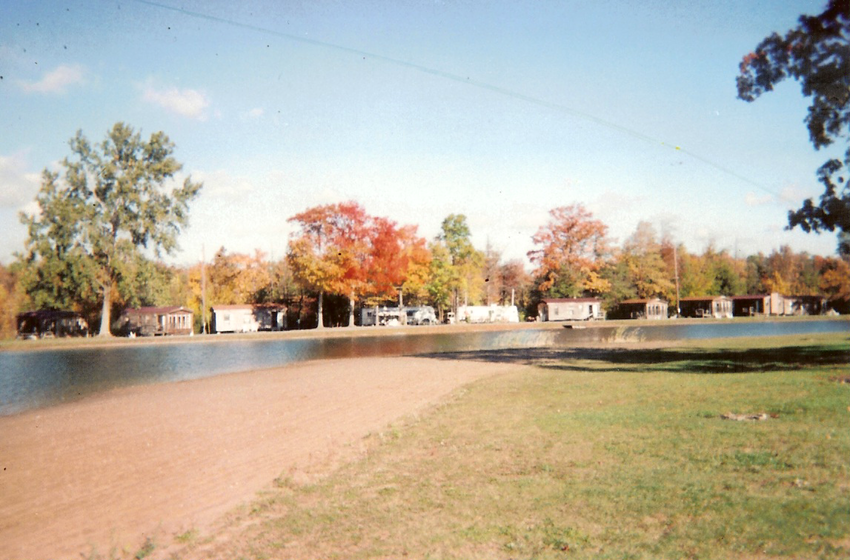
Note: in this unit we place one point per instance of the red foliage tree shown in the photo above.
(571, 248)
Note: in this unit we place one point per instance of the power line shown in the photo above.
(464, 80)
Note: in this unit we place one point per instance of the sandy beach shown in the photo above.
(108, 471)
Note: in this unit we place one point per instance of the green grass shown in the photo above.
(594, 453)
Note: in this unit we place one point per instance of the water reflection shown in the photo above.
(36, 379)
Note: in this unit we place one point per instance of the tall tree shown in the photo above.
(398, 260)
(466, 260)
(418, 260)
(328, 253)
(110, 203)
(834, 281)
(515, 283)
(816, 54)
(441, 277)
(646, 268)
(10, 301)
(570, 253)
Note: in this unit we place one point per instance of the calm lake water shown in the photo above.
(34, 379)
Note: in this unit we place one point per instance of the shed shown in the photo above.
(751, 305)
(805, 305)
(569, 309)
(248, 318)
(716, 307)
(653, 308)
(157, 321)
(50, 323)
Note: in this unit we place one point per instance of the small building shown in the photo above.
(751, 305)
(243, 318)
(382, 316)
(715, 307)
(653, 308)
(157, 321)
(776, 304)
(51, 323)
(805, 305)
(569, 309)
(487, 314)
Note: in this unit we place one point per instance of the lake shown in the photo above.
(36, 378)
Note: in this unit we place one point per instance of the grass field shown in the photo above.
(591, 453)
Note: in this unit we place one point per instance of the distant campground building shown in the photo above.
(570, 309)
(715, 307)
(247, 318)
(50, 324)
(157, 321)
(179, 320)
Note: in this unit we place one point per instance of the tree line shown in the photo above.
(341, 258)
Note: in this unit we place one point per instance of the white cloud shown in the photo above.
(185, 102)
(56, 81)
(793, 195)
(256, 113)
(221, 184)
(752, 199)
(17, 186)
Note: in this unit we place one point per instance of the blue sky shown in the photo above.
(419, 109)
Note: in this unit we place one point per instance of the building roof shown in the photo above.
(157, 310)
(570, 300)
(703, 298)
(631, 301)
(48, 313)
(248, 306)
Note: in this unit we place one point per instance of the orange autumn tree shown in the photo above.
(340, 249)
(570, 253)
(398, 260)
(329, 251)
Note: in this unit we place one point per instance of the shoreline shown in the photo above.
(93, 342)
(108, 471)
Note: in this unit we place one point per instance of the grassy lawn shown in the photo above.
(592, 453)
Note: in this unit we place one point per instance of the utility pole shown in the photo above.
(203, 289)
(676, 267)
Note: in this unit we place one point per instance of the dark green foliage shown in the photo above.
(108, 204)
(816, 54)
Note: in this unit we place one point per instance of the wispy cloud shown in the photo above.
(752, 199)
(17, 186)
(56, 81)
(185, 102)
(792, 195)
(220, 184)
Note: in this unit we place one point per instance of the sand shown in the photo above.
(104, 473)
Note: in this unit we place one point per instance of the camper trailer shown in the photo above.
(247, 318)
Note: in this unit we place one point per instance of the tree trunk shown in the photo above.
(351, 310)
(321, 322)
(105, 315)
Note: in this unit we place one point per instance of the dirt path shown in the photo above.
(103, 473)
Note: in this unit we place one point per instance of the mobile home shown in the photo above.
(157, 321)
(246, 318)
(569, 309)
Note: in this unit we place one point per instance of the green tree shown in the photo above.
(440, 276)
(816, 54)
(466, 261)
(834, 281)
(110, 202)
(10, 302)
(645, 266)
